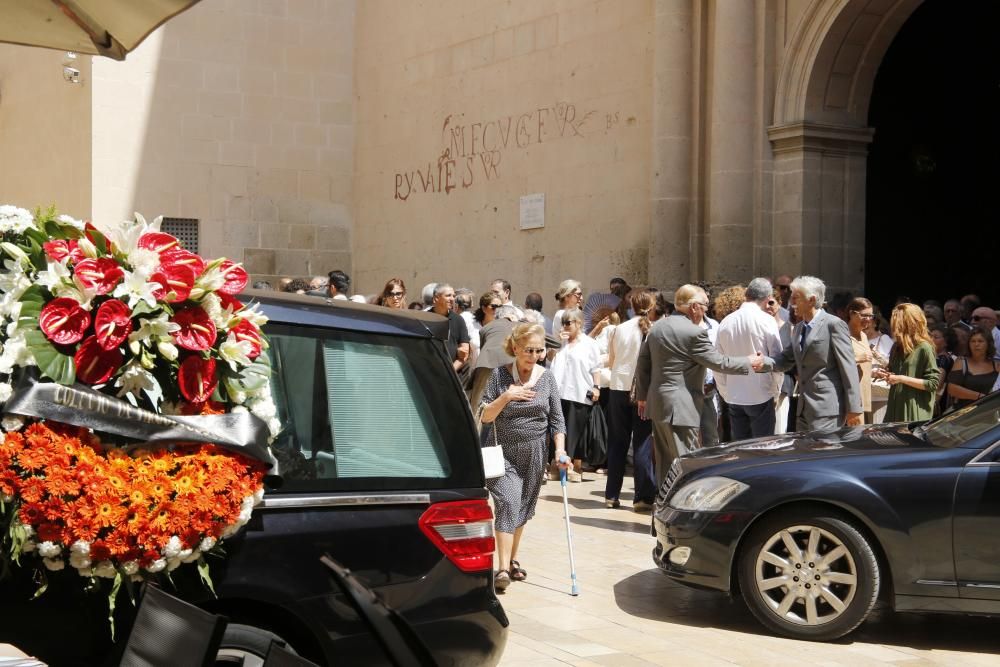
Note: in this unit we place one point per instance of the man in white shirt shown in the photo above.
(338, 285)
(742, 333)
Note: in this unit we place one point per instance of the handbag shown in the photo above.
(493, 462)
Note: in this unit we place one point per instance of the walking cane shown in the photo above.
(574, 589)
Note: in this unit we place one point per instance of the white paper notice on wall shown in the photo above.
(533, 211)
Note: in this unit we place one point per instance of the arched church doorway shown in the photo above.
(932, 227)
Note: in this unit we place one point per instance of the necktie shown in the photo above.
(805, 333)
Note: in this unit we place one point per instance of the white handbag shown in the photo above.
(493, 461)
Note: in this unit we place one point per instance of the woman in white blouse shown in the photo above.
(576, 369)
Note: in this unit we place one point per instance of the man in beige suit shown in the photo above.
(670, 377)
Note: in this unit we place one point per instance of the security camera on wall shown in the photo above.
(71, 74)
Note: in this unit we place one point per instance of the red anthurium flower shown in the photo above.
(112, 323)
(60, 250)
(100, 275)
(230, 301)
(158, 241)
(94, 364)
(177, 255)
(176, 281)
(63, 321)
(247, 331)
(196, 378)
(197, 330)
(236, 277)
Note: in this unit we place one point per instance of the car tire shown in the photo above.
(246, 645)
(808, 575)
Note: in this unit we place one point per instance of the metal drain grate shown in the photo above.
(185, 229)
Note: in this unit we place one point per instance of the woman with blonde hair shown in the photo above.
(625, 427)
(913, 373)
(393, 294)
(569, 295)
(522, 404)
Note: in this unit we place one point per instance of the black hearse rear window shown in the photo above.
(359, 408)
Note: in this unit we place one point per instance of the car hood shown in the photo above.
(854, 441)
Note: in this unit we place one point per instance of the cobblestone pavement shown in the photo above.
(628, 613)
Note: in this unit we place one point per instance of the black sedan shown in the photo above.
(812, 528)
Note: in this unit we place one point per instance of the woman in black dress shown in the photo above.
(521, 402)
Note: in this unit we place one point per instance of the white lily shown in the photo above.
(154, 329)
(137, 287)
(235, 352)
(57, 273)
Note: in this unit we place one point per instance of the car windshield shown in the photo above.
(960, 426)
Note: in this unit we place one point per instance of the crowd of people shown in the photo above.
(660, 375)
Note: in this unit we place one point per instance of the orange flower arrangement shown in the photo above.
(111, 512)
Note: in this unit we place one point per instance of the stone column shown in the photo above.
(729, 192)
(671, 212)
(819, 202)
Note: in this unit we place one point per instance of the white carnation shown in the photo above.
(231, 530)
(264, 408)
(5, 391)
(191, 557)
(11, 423)
(173, 564)
(238, 397)
(258, 496)
(54, 564)
(80, 561)
(28, 530)
(207, 544)
(105, 569)
(80, 547)
(28, 545)
(49, 549)
(173, 547)
(14, 219)
(274, 426)
(130, 567)
(135, 577)
(241, 409)
(157, 565)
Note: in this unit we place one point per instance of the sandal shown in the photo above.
(501, 580)
(517, 573)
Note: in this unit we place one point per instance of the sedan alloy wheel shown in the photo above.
(810, 577)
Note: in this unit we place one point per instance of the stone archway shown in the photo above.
(820, 135)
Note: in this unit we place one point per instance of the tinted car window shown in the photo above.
(960, 426)
(367, 411)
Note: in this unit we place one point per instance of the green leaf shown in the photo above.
(143, 308)
(112, 596)
(43, 584)
(206, 578)
(51, 362)
(253, 377)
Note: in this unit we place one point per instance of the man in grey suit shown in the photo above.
(829, 392)
(670, 377)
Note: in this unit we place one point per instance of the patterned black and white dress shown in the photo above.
(522, 430)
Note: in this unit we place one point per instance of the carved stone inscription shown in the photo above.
(473, 152)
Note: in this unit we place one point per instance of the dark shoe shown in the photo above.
(501, 580)
(612, 503)
(517, 573)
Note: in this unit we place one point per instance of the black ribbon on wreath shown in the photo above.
(79, 405)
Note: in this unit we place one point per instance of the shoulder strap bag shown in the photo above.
(493, 461)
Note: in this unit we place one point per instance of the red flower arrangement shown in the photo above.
(133, 315)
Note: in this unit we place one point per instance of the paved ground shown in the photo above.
(628, 614)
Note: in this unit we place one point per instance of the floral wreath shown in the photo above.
(128, 314)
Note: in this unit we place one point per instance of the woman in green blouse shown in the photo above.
(913, 373)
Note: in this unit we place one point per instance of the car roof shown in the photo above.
(309, 310)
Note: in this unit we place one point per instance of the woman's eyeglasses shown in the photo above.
(866, 316)
(568, 323)
(493, 305)
(397, 295)
(534, 350)
(772, 302)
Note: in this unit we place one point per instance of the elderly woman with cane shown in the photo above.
(522, 404)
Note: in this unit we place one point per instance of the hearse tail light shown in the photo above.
(463, 531)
